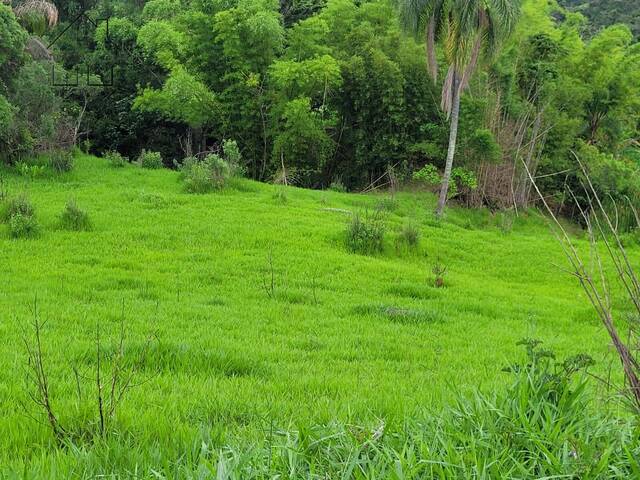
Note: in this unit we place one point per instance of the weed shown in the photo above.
(233, 157)
(506, 220)
(408, 237)
(365, 234)
(197, 178)
(31, 171)
(115, 159)
(150, 160)
(386, 204)
(22, 226)
(74, 218)
(439, 271)
(206, 175)
(337, 186)
(19, 205)
(61, 161)
(280, 196)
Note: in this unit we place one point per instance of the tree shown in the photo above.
(467, 29)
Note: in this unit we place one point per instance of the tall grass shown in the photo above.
(544, 425)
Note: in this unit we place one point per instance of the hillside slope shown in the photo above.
(602, 13)
(343, 336)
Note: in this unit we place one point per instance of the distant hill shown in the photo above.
(602, 13)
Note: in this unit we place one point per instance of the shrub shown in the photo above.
(19, 205)
(439, 271)
(197, 178)
(428, 174)
(387, 204)
(20, 215)
(203, 176)
(461, 180)
(74, 218)
(150, 160)
(408, 237)
(365, 235)
(23, 226)
(280, 196)
(115, 159)
(337, 186)
(219, 168)
(61, 161)
(233, 157)
(28, 170)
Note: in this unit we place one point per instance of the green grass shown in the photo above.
(346, 338)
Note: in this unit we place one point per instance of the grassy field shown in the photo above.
(343, 337)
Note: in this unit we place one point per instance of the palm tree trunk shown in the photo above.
(432, 60)
(453, 137)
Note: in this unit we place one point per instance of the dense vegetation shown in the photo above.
(317, 94)
(603, 13)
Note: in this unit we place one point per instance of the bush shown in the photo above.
(150, 160)
(74, 218)
(19, 205)
(387, 204)
(462, 179)
(30, 170)
(20, 215)
(197, 178)
(408, 237)
(219, 168)
(203, 176)
(365, 235)
(280, 196)
(61, 161)
(337, 186)
(22, 226)
(115, 159)
(233, 157)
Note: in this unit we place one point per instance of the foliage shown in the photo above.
(337, 186)
(12, 41)
(408, 236)
(21, 226)
(462, 179)
(115, 159)
(30, 170)
(20, 205)
(202, 176)
(19, 214)
(603, 14)
(428, 174)
(61, 161)
(74, 218)
(151, 160)
(365, 233)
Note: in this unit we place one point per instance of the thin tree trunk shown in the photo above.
(523, 187)
(453, 137)
(432, 61)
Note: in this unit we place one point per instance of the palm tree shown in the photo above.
(41, 9)
(467, 29)
(36, 16)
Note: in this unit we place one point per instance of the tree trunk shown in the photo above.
(432, 60)
(453, 137)
(522, 198)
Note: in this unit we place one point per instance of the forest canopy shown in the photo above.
(333, 92)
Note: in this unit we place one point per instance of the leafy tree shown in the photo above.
(12, 41)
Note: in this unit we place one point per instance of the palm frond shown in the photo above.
(38, 7)
(37, 49)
